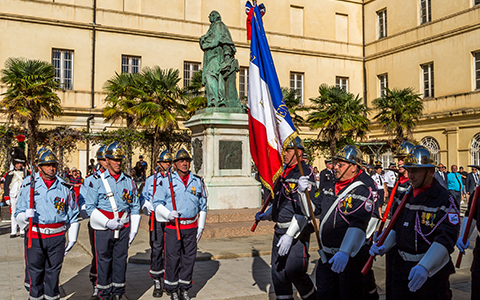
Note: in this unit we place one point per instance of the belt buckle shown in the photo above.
(404, 257)
(47, 231)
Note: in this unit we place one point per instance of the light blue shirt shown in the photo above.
(53, 205)
(453, 183)
(190, 200)
(124, 191)
(86, 184)
(147, 191)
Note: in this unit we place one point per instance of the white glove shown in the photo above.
(134, 224)
(29, 213)
(69, 247)
(302, 184)
(284, 244)
(84, 214)
(8, 202)
(147, 208)
(199, 234)
(173, 215)
(114, 224)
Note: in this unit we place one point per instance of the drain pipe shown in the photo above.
(363, 51)
(92, 89)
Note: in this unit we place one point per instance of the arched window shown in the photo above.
(475, 150)
(432, 145)
(386, 158)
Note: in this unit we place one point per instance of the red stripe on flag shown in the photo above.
(266, 158)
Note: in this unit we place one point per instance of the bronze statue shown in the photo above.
(219, 64)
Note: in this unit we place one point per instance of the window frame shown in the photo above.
(476, 70)
(131, 68)
(428, 71)
(382, 23)
(65, 82)
(295, 81)
(191, 70)
(425, 13)
(382, 84)
(339, 82)
(243, 86)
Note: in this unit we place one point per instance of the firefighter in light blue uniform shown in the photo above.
(87, 183)
(114, 210)
(191, 211)
(53, 213)
(157, 266)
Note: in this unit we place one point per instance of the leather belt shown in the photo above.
(330, 250)
(411, 257)
(49, 230)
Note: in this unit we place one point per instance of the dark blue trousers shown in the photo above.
(93, 265)
(44, 263)
(292, 268)
(111, 256)
(179, 258)
(157, 267)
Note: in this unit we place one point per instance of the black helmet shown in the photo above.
(182, 154)
(18, 155)
(350, 154)
(298, 141)
(419, 157)
(114, 151)
(47, 157)
(165, 156)
(101, 152)
(403, 149)
(378, 165)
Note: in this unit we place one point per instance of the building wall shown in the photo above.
(321, 39)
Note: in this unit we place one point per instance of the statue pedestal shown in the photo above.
(221, 155)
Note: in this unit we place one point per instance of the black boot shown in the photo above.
(158, 286)
(174, 296)
(184, 295)
(95, 294)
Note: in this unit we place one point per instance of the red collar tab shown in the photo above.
(185, 179)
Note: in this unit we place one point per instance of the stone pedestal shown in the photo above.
(221, 155)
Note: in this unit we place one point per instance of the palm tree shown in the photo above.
(340, 115)
(30, 95)
(292, 102)
(195, 94)
(162, 104)
(398, 112)
(124, 92)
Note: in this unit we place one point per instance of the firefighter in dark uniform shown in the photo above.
(403, 185)
(291, 239)
(99, 169)
(157, 266)
(114, 210)
(54, 212)
(13, 182)
(425, 234)
(327, 176)
(345, 213)
(191, 211)
(475, 268)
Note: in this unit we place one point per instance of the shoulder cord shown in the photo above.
(295, 189)
(343, 214)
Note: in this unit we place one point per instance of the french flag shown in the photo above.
(270, 125)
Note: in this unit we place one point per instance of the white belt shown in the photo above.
(187, 222)
(411, 257)
(283, 225)
(49, 230)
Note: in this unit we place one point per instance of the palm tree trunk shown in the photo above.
(156, 142)
(333, 146)
(32, 138)
(128, 160)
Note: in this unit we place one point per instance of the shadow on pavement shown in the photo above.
(261, 273)
(78, 287)
(202, 273)
(5, 229)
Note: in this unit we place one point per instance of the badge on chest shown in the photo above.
(193, 190)
(60, 204)
(427, 219)
(127, 196)
(289, 188)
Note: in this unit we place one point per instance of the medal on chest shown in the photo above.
(346, 204)
(427, 219)
(289, 188)
(127, 196)
(193, 190)
(59, 204)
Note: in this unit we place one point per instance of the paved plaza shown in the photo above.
(227, 268)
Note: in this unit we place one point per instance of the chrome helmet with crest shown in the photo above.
(165, 156)
(182, 154)
(39, 153)
(350, 154)
(47, 157)
(101, 152)
(114, 151)
(403, 149)
(298, 141)
(419, 157)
